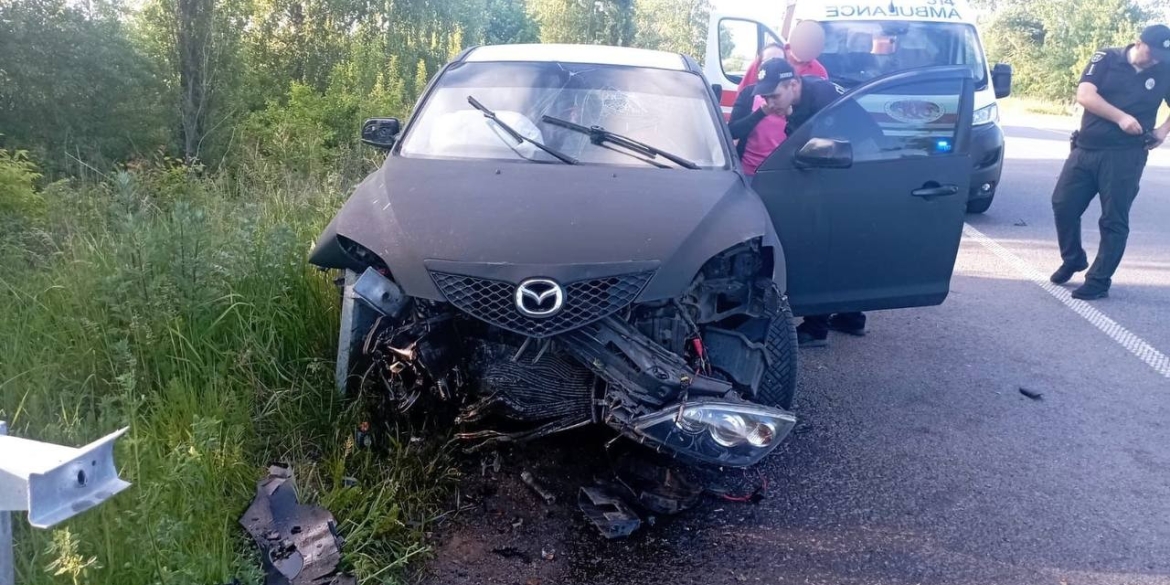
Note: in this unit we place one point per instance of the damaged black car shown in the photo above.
(562, 236)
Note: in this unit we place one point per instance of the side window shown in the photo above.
(913, 120)
(739, 42)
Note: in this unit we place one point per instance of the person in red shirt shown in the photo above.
(806, 44)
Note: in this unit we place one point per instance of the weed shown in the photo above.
(180, 305)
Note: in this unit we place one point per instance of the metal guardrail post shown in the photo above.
(53, 483)
(7, 556)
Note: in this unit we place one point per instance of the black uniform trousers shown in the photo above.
(818, 325)
(1115, 175)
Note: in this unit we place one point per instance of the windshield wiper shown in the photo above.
(598, 135)
(518, 137)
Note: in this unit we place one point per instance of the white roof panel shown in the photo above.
(911, 10)
(597, 54)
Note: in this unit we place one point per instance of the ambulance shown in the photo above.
(869, 39)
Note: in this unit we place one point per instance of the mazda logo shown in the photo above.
(539, 297)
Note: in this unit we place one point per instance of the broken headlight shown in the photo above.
(717, 432)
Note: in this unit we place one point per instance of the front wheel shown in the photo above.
(980, 205)
(778, 386)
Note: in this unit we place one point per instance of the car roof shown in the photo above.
(591, 54)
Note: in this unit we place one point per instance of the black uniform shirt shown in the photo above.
(1136, 93)
(815, 94)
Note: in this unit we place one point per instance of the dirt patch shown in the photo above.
(508, 534)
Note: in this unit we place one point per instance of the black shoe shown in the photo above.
(1066, 272)
(806, 339)
(1091, 291)
(847, 328)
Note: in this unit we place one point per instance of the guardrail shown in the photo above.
(52, 483)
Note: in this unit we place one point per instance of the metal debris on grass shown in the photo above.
(299, 544)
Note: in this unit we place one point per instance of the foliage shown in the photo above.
(181, 306)
(73, 85)
(1049, 43)
(509, 22)
(608, 22)
(673, 25)
(19, 199)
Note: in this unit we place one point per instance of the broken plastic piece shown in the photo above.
(299, 544)
(608, 512)
(1034, 395)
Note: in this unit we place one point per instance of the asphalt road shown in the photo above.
(918, 459)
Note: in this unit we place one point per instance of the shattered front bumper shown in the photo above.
(650, 394)
(655, 399)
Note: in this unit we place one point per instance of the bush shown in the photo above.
(18, 177)
(182, 307)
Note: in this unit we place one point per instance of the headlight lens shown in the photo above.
(987, 115)
(717, 432)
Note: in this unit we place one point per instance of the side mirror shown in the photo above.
(825, 153)
(381, 132)
(1001, 79)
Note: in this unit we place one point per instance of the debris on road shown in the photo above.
(612, 516)
(548, 555)
(657, 488)
(1034, 395)
(299, 544)
(511, 552)
(540, 490)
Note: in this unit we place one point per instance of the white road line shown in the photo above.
(1124, 337)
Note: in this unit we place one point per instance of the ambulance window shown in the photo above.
(910, 120)
(858, 51)
(739, 43)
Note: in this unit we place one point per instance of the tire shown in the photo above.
(980, 205)
(778, 386)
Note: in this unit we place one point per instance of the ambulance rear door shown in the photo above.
(733, 42)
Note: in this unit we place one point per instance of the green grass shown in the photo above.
(1029, 105)
(1034, 106)
(183, 308)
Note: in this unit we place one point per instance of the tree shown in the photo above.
(509, 22)
(673, 25)
(1049, 43)
(197, 47)
(74, 86)
(609, 22)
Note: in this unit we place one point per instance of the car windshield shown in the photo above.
(857, 51)
(668, 110)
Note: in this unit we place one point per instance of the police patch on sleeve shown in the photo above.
(1097, 57)
(1150, 83)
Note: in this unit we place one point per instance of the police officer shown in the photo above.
(1120, 90)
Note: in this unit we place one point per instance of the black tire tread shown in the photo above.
(778, 386)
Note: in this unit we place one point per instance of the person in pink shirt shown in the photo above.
(759, 121)
(807, 43)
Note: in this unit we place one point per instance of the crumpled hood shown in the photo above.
(511, 221)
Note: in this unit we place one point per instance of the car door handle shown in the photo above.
(930, 191)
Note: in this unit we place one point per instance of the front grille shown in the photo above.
(586, 301)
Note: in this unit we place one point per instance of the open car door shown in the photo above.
(733, 42)
(868, 196)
